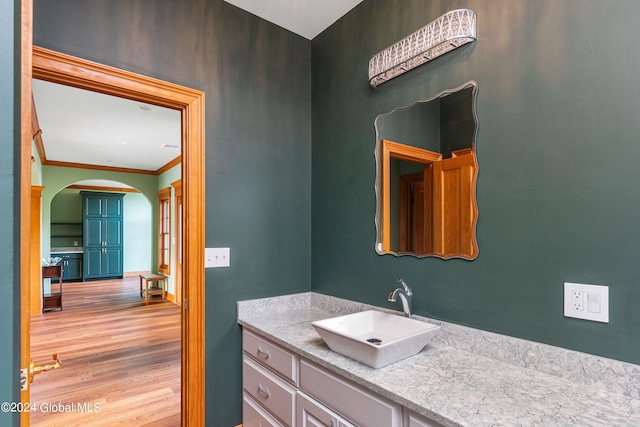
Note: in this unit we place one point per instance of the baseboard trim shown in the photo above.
(136, 273)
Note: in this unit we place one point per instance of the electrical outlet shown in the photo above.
(577, 300)
(217, 257)
(589, 302)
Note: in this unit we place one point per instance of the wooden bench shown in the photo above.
(160, 287)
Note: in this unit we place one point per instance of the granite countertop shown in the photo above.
(459, 387)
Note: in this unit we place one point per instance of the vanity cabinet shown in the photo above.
(280, 389)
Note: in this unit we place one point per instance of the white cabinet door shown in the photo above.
(312, 414)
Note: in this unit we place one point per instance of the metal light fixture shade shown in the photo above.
(451, 30)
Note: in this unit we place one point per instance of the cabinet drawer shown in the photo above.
(269, 354)
(411, 419)
(271, 391)
(254, 416)
(350, 400)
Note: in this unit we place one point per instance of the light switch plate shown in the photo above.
(217, 257)
(589, 302)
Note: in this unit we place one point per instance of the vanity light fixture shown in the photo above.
(451, 30)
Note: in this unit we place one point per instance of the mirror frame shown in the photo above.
(386, 149)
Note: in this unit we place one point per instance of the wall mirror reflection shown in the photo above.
(426, 177)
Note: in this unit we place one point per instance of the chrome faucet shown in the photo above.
(405, 297)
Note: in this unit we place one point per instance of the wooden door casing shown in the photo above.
(55, 67)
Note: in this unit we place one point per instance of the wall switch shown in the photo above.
(589, 302)
(217, 257)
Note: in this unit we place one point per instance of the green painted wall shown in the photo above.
(257, 79)
(9, 206)
(557, 148)
(36, 167)
(139, 234)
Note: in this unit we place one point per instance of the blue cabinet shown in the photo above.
(103, 216)
(71, 266)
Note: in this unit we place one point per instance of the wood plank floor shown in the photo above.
(119, 358)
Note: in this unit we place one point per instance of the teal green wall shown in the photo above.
(558, 147)
(257, 80)
(9, 206)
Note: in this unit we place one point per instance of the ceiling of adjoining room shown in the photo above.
(307, 18)
(80, 126)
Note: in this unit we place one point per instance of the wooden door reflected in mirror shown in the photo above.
(426, 196)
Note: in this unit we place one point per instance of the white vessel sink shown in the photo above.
(375, 338)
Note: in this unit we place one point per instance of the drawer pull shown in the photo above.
(263, 354)
(262, 391)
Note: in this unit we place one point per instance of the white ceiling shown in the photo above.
(307, 18)
(80, 126)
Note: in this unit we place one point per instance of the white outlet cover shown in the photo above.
(591, 310)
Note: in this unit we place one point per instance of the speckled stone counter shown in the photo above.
(465, 377)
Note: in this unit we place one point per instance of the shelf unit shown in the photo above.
(66, 229)
(53, 299)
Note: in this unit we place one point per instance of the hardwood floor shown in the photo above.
(120, 358)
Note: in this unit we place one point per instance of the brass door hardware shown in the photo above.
(35, 370)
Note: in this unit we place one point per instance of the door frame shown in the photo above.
(60, 68)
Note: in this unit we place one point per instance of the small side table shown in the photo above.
(53, 299)
(160, 287)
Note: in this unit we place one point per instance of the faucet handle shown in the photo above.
(407, 289)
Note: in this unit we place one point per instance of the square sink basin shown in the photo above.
(375, 338)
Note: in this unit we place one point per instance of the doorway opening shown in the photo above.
(67, 70)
